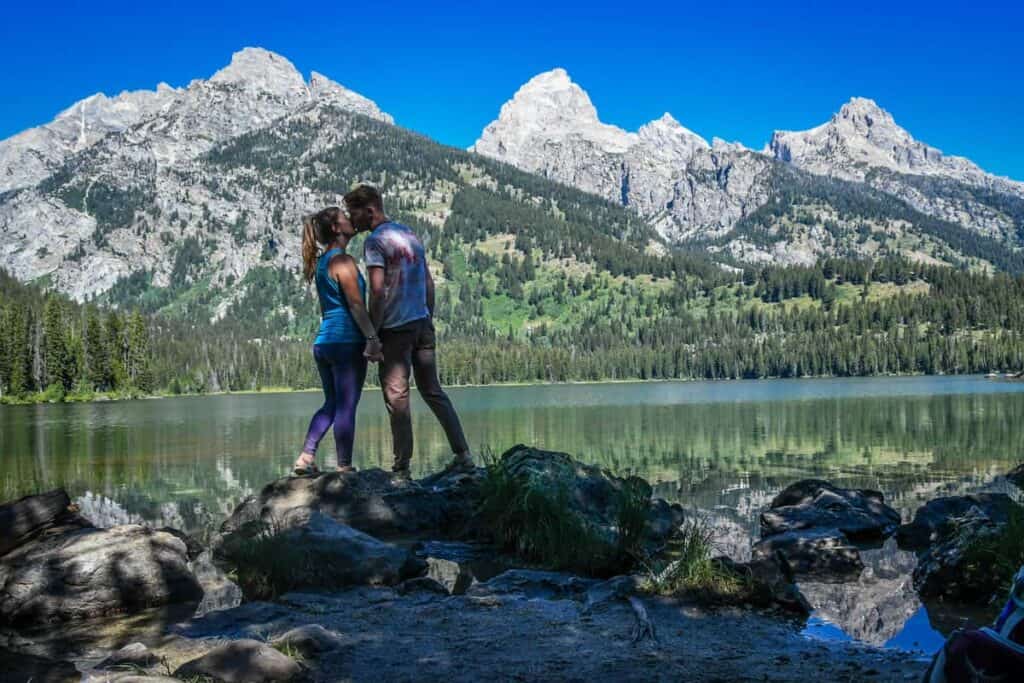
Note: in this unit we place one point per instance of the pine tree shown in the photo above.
(57, 360)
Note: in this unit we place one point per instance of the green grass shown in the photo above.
(1002, 553)
(692, 571)
(534, 519)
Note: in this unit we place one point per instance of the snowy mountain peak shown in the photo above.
(261, 70)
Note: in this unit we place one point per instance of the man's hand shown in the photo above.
(374, 351)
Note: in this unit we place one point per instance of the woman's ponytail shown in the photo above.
(310, 249)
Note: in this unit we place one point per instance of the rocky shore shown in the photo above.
(356, 577)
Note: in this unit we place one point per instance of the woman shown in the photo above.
(346, 339)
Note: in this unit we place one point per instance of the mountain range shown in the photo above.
(135, 186)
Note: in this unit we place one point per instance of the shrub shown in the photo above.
(1002, 552)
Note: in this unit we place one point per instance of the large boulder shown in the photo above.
(367, 500)
(771, 583)
(27, 517)
(931, 521)
(824, 554)
(594, 494)
(951, 571)
(860, 514)
(87, 572)
(312, 550)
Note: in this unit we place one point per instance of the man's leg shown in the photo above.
(424, 364)
(394, 383)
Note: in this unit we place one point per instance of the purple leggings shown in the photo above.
(342, 370)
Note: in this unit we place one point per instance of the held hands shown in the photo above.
(374, 350)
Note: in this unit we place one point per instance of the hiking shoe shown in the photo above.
(401, 477)
(463, 462)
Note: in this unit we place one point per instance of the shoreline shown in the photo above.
(107, 397)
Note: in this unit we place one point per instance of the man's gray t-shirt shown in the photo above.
(397, 249)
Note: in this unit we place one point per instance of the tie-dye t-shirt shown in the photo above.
(398, 250)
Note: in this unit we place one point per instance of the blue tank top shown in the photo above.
(336, 325)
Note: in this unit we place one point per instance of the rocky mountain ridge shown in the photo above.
(694, 191)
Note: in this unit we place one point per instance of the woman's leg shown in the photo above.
(323, 418)
(349, 375)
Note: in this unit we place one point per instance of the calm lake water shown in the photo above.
(723, 448)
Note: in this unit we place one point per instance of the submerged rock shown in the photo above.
(931, 521)
(860, 514)
(242, 661)
(825, 554)
(86, 572)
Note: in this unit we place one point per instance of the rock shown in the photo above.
(23, 518)
(593, 494)
(311, 640)
(366, 500)
(219, 592)
(124, 677)
(535, 584)
(946, 569)
(823, 553)
(85, 573)
(1016, 475)
(455, 578)
(242, 661)
(613, 589)
(811, 503)
(134, 656)
(322, 553)
(931, 520)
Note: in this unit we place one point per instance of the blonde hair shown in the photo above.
(317, 232)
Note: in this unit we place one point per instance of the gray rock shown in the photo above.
(946, 569)
(242, 661)
(932, 519)
(822, 553)
(366, 500)
(25, 517)
(219, 592)
(535, 584)
(311, 640)
(84, 573)
(324, 553)
(124, 677)
(135, 655)
(455, 578)
(811, 503)
(771, 583)
(1016, 475)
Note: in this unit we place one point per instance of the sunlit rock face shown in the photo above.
(693, 190)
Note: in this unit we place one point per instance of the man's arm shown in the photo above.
(430, 290)
(376, 295)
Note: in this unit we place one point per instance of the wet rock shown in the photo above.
(771, 583)
(323, 553)
(84, 573)
(134, 656)
(947, 569)
(821, 553)
(454, 577)
(860, 514)
(932, 519)
(366, 500)
(311, 640)
(242, 661)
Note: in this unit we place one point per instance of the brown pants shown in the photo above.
(411, 346)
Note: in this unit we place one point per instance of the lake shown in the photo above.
(722, 448)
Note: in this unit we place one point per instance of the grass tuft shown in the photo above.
(265, 563)
(691, 570)
(1000, 554)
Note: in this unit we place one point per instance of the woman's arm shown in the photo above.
(343, 269)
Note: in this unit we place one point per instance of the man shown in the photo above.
(402, 310)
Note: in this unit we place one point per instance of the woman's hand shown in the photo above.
(374, 350)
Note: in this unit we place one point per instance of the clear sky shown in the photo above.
(951, 73)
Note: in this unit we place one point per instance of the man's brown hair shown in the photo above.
(363, 197)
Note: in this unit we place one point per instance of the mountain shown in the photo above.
(191, 215)
(696, 193)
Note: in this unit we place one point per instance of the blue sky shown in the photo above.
(950, 73)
